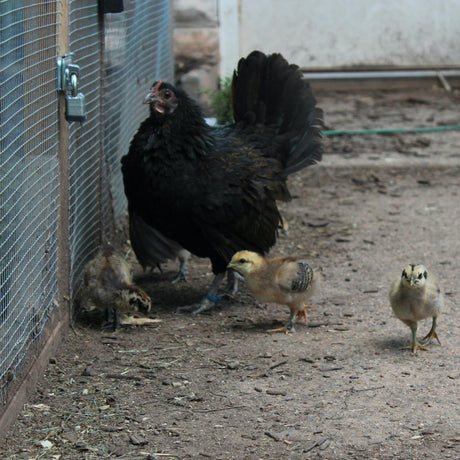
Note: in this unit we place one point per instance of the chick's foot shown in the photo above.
(284, 329)
(414, 346)
(289, 326)
(432, 334)
(303, 314)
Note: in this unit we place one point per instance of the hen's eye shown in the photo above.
(167, 94)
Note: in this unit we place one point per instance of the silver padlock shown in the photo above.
(75, 109)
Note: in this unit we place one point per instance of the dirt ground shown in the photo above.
(220, 386)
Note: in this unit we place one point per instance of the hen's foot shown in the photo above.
(232, 286)
(181, 276)
(206, 304)
(209, 301)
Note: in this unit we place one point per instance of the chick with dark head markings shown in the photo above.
(416, 295)
(107, 284)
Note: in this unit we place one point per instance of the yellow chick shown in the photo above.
(107, 284)
(416, 296)
(284, 280)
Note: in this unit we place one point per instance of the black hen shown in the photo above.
(214, 190)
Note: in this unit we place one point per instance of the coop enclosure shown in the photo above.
(61, 191)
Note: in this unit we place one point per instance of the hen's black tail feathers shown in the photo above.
(149, 245)
(268, 90)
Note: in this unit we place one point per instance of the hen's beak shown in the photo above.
(151, 97)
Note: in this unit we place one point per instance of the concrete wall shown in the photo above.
(345, 33)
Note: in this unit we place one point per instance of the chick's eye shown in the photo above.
(242, 261)
(420, 276)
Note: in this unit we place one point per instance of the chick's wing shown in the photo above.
(295, 275)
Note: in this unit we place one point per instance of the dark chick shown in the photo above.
(107, 284)
(214, 191)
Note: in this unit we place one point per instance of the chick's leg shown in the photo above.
(116, 319)
(415, 345)
(432, 334)
(209, 301)
(303, 314)
(112, 319)
(289, 326)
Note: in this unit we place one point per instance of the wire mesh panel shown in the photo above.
(28, 179)
(85, 138)
(138, 50)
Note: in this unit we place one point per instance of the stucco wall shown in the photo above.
(349, 33)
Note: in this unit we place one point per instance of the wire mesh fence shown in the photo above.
(85, 138)
(138, 50)
(28, 179)
(119, 55)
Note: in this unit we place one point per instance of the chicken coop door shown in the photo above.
(61, 191)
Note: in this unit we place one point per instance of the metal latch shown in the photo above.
(68, 75)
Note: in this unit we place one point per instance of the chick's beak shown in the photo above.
(231, 265)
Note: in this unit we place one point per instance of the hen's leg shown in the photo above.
(183, 270)
(209, 301)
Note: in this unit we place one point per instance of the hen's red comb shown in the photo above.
(157, 86)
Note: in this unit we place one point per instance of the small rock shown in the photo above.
(137, 440)
(318, 223)
(330, 358)
(89, 372)
(46, 444)
(276, 392)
